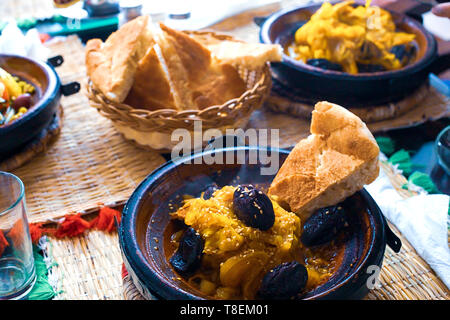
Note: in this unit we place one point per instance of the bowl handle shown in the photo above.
(260, 20)
(55, 61)
(392, 240)
(70, 88)
(442, 61)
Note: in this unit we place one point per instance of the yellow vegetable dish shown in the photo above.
(236, 256)
(15, 97)
(352, 38)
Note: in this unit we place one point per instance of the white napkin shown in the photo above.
(422, 219)
(438, 26)
(13, 41)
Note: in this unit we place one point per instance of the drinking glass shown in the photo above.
(443, 149)
(440, 174)
(17, 272)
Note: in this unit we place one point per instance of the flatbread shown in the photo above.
(151, 88)
(197, 79)
(336, 160)
(111, 66)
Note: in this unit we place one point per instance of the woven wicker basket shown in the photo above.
(153, 129)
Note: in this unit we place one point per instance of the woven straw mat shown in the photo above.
(39, 144)
(292, 128)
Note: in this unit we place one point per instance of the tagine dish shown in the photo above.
(15, 97)
(244, 242)
(352, 39)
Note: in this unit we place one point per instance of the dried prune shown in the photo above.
(285, 281)
(209, 191)
(369, 67)
(189, 254)
(253, 207)
(404, 53)
(24, 100)
(369, 50)
(324, 64)
(324, 225)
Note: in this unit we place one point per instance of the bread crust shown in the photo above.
(111, 66)
(151, 88)
(336, 160)
(235, 52)
(197, 80)
(248, 55)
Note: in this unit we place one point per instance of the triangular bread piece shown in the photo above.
(336, 160)
(197, 80)
(247, 55)
(151, 88)
(112, 65)
(218, 85)
(185, 60)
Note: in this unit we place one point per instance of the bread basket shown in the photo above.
(153, 129)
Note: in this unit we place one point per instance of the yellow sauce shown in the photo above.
(236, 257)
(348, 35)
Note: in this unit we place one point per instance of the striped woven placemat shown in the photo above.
(39, 144)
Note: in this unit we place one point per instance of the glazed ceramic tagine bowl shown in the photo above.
(44, 103)
(146, 227)
(356, 90)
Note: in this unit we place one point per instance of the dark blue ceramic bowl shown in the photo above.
(43, 77)
(312, 84)
(145, 229)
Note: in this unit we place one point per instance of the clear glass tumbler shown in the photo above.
(17, 272)
(443, 149)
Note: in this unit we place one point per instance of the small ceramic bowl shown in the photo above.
(316, 84)
(43, 77)
(146, 227)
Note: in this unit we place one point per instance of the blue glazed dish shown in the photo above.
(145, 228)
(45, 102)
(313, 84)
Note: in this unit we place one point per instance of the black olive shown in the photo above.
(368, 67)
(324, 225)
(209, 191)
(404, 53)
(253, 207)
(189, 254)
(24, 100)
(285, 281)
(324, 64)
(369, 50)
